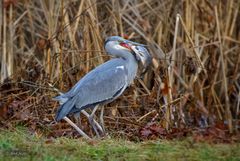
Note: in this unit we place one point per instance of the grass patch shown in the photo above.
(20, 145)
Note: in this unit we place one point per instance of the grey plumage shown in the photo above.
(104, 83)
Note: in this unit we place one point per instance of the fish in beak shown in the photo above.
(140, 52)
(142, 55)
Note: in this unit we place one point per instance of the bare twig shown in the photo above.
(76, 128)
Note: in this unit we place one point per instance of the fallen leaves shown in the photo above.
(35, 111)
(214, 134)
(155, 131)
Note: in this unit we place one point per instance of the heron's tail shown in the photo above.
(61, 99)
(64, 109)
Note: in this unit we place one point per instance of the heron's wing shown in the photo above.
(102, 86)
(107, 66)
(96, 87)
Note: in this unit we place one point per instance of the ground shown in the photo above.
(23, 145)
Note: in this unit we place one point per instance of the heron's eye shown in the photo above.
(125, 45)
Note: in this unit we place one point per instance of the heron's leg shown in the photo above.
(97, 124)
(101, 119)
(92, 122)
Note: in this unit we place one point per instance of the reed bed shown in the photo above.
(194, 80)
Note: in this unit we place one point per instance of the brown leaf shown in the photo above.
(7, 3)
(158, 130)
(3, 110)
(145, 132)
(164, 87)
(49, 141)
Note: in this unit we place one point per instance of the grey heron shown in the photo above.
(106, 82)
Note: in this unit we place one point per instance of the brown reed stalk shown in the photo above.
(224, 69)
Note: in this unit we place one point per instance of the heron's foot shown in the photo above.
(91, 121)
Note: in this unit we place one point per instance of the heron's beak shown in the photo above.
(133, 43)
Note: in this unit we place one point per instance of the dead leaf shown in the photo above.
(145, 132)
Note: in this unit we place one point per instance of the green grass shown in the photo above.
(20, 145)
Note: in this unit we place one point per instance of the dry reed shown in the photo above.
(195, 82)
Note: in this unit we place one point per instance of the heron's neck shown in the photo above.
(132, 68)
(127, 56)
(132, 65)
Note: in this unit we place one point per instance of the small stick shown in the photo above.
(144, 86)
(76, 128)
(147, 114)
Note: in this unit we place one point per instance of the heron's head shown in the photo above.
(118, 43)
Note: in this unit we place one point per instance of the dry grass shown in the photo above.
(194, 79)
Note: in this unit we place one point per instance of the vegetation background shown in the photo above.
(192, 87)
